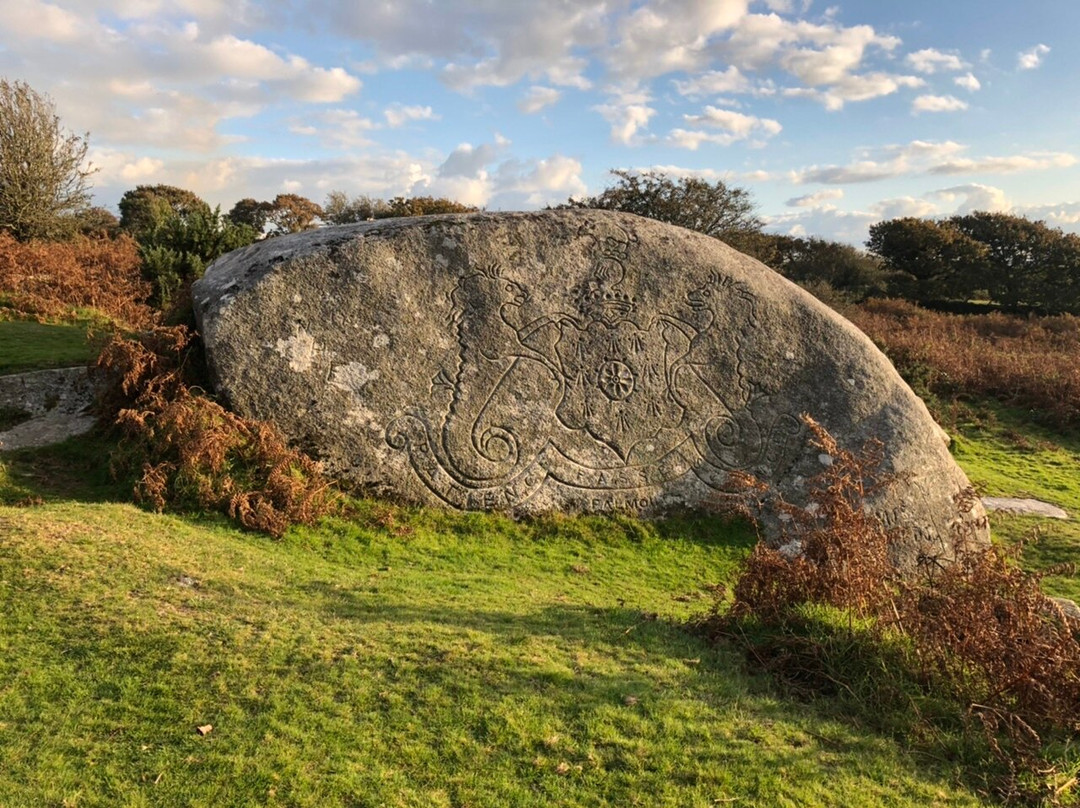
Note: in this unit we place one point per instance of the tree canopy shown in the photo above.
(43, 170)
(1009, 260)
(715, 209)
(146, 208)
(291, 213)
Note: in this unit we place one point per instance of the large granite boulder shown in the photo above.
(564, 360)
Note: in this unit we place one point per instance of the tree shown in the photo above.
(147, 207)
(291, 213)
(715, 209)
(43, 174)
(1026, 263)
(933, 261)
(425, 206)
(339, 209)
(839, 266)
(252, 213)
(177, 251)
(97, 222)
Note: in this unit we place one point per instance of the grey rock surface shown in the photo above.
(562, 360)
(1069, 608)
(55, 404)
(1025, 506)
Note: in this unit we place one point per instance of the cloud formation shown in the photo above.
(938, 103)
(1032, 58)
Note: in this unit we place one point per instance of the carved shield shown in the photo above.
(616, 383)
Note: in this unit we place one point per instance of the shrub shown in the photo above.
(190, 452)
(54, 279)
(1031, 362)
(176, 252)
(978, 633)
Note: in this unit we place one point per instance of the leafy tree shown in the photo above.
(1026, 263)
(425, 206)
(97, 222)
(250, 212)
(715, 209)
(842, 267)
(291, 213)
(340, 209)
(931, 260)
(147, 207)
(43, 175)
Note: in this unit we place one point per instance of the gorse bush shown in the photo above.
(978, 631)
(1029, 362)
(189, 452)
(54, 279)
(176, 251)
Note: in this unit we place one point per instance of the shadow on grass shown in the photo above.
(76, 469)
(645, 674)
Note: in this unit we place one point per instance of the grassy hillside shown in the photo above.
(29, 345)
(406, 658)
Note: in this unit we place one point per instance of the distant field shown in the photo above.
(28, 345)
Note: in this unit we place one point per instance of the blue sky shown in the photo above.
(834, 115)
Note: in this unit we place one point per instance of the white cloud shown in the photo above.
(1036, 161)
(855, 88)
(714, 82)
(929, 60)
(478, 44)
(740, 126)
(903, 206)
(37, 20)
(534, 183)
(825, 221)
(937, 103)
(399, 115)
(537, 98)
(670, 36)
(927, 157)
(968, 82)
(1031, 59)
(470, 161)
(1065, 215)
(120, 168)
(223, 181)
(860, 171)
(815, 200)
(344, 129)
(975, 196)
(626, 114)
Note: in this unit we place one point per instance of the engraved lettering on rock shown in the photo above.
(599, 397)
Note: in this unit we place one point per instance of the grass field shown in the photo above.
(396, 658)
(29, 345)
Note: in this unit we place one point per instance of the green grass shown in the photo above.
(28, 345)
(398, 657)
(1006, 453)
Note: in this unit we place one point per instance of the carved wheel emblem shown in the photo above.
(616, 380)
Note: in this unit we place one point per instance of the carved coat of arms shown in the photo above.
(600, 396)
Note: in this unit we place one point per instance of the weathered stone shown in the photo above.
(1025, 506)
(55, 405)
(575, 360)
